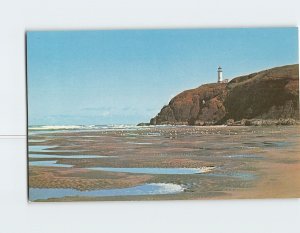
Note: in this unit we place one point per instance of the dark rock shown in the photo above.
(263, 98)
(143, 124)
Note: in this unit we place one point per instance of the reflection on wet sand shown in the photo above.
(211, 162)
(146, 189)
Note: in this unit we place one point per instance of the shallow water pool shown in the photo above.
(50, 163)
(42, 149)
(154, 170)
(146, 189)
(45, 156)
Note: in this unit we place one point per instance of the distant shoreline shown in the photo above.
(243, 122)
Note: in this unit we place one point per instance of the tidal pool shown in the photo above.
(140, 143)
(146, 189)
(39, 148)
(50, 163)
(276, 144)
(46, 149)
(154, 170)
(268, 144)
(249, 156)
(44, 156)
(35, 140)
(238, 175)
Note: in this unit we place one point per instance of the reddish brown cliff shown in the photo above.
(269, 94)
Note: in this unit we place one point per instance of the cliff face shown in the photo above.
(269, 94)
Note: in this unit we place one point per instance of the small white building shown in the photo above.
(220, 76)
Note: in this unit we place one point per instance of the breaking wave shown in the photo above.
(79, 127)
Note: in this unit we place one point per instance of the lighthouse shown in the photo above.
(220, 74)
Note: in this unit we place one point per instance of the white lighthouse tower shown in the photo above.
(220, 74)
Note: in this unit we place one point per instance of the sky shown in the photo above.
(126, 76)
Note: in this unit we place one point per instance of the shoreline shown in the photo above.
(247, 161)
(232, 122)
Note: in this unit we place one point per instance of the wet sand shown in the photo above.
(245, 162)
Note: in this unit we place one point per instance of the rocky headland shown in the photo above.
(269, 97)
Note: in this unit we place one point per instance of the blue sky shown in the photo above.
(126, 76)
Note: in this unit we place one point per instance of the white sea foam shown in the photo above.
(80, 127)
(165, 188)
(54, 127)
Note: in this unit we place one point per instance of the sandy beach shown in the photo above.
(210, 162)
